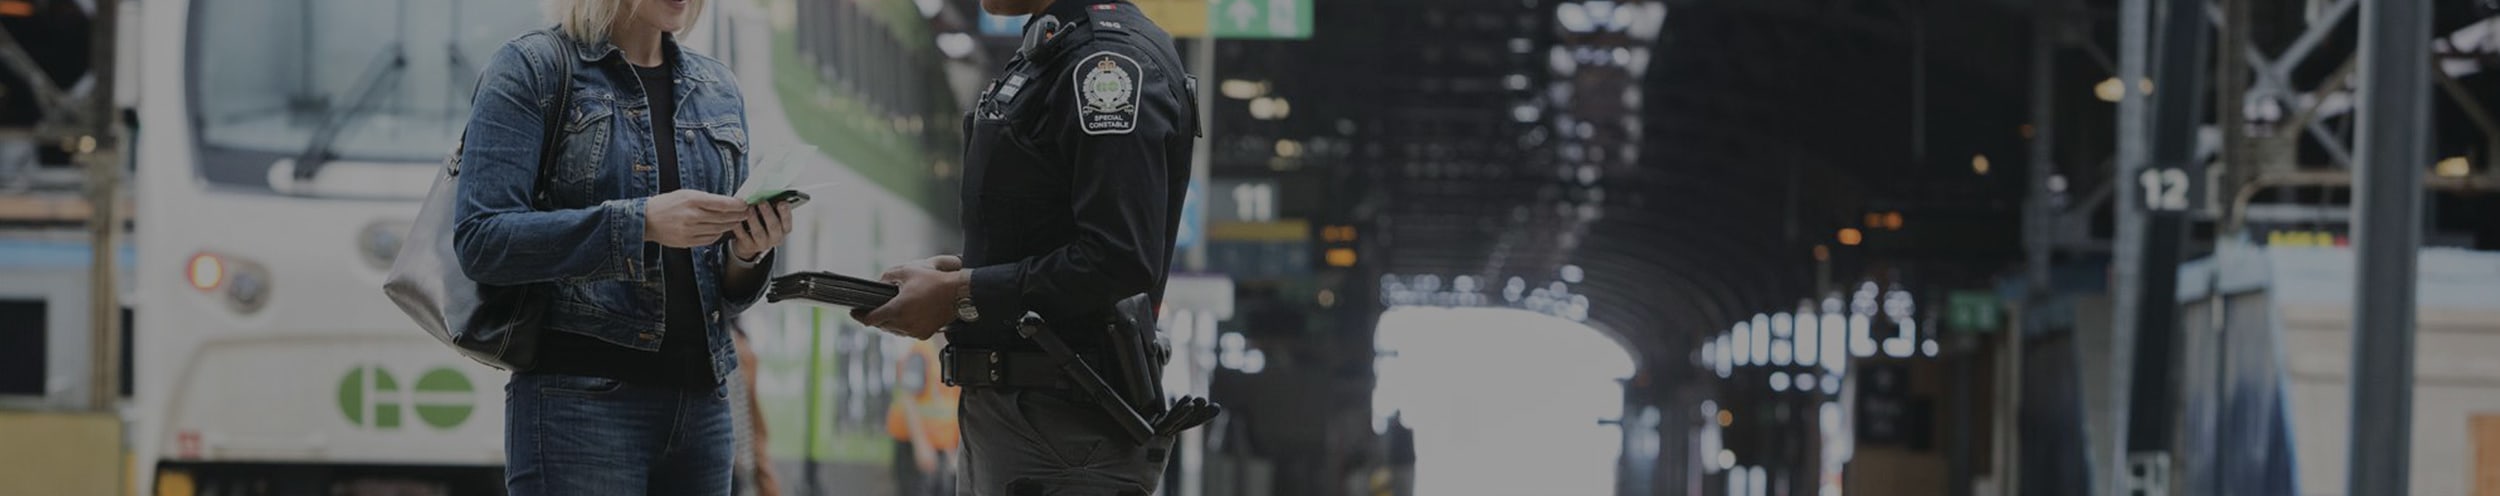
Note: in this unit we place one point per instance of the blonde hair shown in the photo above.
(590, 19)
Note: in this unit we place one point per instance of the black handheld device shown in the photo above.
(831, 288)
(795, 197)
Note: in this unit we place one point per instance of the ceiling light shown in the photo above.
(1743, 338)
(1979, 164)
(1561, 62)
(1574, 18)
(1288, 148)
(1625, 15)
(1270, 108)
(1653, 16)
(2452, 167)
(955, 45)
(1240, 89)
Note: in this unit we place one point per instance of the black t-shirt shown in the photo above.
(684, 359)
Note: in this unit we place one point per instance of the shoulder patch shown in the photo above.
(1106, 92)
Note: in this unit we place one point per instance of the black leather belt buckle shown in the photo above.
(962, 368)
(946, 366)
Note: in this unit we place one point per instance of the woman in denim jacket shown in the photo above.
(646, 256)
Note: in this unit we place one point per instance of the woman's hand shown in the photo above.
(689, 218)
(765, 227)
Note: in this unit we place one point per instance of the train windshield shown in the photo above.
(304, 84)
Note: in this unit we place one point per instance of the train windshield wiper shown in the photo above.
(388, 68)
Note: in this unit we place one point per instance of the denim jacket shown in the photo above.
(584, 233)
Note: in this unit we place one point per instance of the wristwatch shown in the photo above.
(964, 310)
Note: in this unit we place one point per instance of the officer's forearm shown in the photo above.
(1073, 279)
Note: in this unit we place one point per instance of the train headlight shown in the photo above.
(205, 271)
(379, 243)
(247, 290)
(245, 284)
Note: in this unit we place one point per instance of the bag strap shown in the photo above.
(553, 134)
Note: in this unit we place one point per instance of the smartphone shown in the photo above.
(795, 197)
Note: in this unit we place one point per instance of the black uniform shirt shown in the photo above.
(1076, 162)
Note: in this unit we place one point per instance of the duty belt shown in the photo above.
(1142, 412)
(974, 367)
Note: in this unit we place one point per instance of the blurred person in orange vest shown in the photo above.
(922, 421)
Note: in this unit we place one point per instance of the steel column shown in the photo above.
(2179, 82)
(2039, 219)
(2110, 463)
(102, 150)
(2394, 113)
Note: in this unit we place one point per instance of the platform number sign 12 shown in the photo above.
(2165, 189)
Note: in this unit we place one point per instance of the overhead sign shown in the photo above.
(1237, 19)
(1263, 19)
(1973, 311)
(1243, 200)
(1181, 18)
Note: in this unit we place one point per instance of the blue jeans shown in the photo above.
(573, 435)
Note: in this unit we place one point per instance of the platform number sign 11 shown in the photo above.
(2165, 189)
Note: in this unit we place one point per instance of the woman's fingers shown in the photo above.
(721, 223)
(781, 221)
(767, 222)
(719, 204)
(739, 215)
(750, 232)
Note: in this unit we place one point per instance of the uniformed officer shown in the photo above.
(1074, 174)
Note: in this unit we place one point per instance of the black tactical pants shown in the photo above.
(1034, 442)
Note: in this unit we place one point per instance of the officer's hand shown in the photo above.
(689, 218)
(943, 263)
(765, 227)
(924, 302)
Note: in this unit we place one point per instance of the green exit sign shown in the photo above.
(1261, 19)
(1973, 311)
